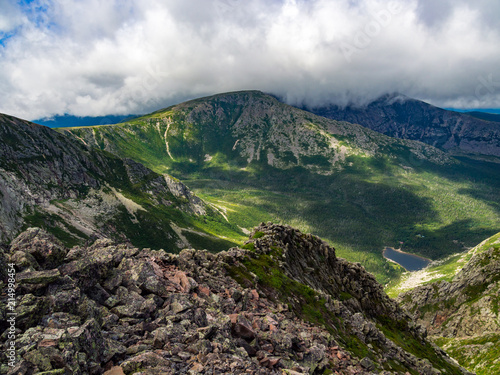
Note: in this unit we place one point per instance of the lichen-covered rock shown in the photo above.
(41, 278)
(24, 261)
(43, 247)
(115, 309)
(29, 309)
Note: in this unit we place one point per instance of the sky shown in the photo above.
(116, 57)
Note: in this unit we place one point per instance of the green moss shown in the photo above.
(65, 232)
(53, 372)
(249, 246)
(345, 296)
(396, 366)
(258, 235)
(199, 241)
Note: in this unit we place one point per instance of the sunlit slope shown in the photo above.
(256, 159)
(77, 193)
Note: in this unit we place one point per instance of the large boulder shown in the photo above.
(47, 250)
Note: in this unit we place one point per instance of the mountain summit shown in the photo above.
(246, 127)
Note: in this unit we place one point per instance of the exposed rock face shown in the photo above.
(48, 179)
(182, 191)
(403, 117)
(463, 315)
(115, 309)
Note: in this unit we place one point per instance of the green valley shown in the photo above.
(255, 159)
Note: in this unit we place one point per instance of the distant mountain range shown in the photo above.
(66, 120)
(402, 117)
(495, 117)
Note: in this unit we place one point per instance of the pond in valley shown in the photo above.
(410, 262)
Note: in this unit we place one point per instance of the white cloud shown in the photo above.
(133, 56)
(10, 17)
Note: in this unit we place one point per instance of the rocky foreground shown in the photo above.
(282, 304)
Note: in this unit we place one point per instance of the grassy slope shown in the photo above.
(482, 353)
(374, 202)
(30, 151)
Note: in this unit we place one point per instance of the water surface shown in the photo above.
(409, 261)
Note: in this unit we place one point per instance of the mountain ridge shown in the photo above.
(50, 180)
(248, 115)
(462, 314)
(403, 117)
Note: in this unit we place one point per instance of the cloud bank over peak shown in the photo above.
(91, 58)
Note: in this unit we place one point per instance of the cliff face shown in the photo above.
(406, 118)
(463, 315)
(281, 304)
(77, 193)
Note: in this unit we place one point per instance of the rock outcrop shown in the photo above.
(463, 315)
(282, 304)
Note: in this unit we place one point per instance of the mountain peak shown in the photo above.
(390, 99)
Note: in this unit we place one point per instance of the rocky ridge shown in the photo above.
(463, 315)
(282, 304)
(402, 117)
(47, 179)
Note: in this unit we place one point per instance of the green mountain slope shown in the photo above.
(462, 314)
(256, 159)
(78, 193)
